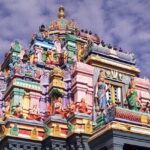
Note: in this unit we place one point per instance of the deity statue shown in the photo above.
(81, 51)
(18, 112)
(22, 52)
(46, 34)
(83, 106)
(49, 109)
(57, 44)
(15, 46)
(65, 57)
(17, 69)
(50, 57)
(66, 111)
(38, 53)
(72, 107)
(58, 109)
(34, 114)
(32, 55)
(132, 97)
(12, 65)
(101, 89)
(37, 74)
(35, 109)
(6, 109)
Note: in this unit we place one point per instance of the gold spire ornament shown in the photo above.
(61, 13)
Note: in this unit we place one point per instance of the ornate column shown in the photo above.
(82, 83)
(16, 98)
(56, 90)
(67, 93)
(44, 82)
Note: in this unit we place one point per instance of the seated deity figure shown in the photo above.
(34, 114)
(57, 44)
(101, 89)
(72, 107)
(66, 111)
(82, 106)
(58, 109)
(132, 97)
(18, 112)
(50, 57)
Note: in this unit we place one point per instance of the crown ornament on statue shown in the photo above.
(61, 13)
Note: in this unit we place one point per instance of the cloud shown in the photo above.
(119, 22)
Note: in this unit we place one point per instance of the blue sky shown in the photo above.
(123, 23)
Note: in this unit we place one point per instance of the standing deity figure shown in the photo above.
(101, 89)
(65, 57)
(38, 53)
(32, 55)
(81, 50)
(22, 52)
(6, 109)
(57, 44)
(132, 96)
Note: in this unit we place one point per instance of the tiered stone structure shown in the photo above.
(72, 91)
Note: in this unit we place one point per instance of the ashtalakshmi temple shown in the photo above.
(71, 91)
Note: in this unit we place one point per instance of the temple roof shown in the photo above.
(61, 23)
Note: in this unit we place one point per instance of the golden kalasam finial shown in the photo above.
(61, 13)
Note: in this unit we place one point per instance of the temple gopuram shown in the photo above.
(71, 91)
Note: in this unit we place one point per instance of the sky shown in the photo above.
(122, 23)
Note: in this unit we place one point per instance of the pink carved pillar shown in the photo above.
(142, 88)
(82, 83)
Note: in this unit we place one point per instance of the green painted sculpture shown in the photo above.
(132, 97)
(71, 127)
(14, 130)
(47, 130)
